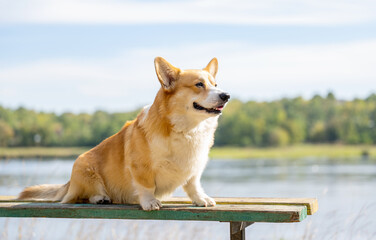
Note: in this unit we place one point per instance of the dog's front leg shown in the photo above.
(196, 193)
(146, 197)
(144, 184)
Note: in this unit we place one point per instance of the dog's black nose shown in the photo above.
(224, 96)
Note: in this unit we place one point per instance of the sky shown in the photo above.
(83, 56)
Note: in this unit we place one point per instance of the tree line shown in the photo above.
(274, 123)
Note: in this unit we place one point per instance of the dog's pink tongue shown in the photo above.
(219, 108)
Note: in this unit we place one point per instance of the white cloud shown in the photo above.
(128, 80)
(274, 12)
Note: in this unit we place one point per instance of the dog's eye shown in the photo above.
(215, 85)
(200, 84)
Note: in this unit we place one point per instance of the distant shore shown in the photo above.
(297, 151)
(291, 152)
(42, 152)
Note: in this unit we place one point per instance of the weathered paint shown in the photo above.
(310, 203)
(224, 213)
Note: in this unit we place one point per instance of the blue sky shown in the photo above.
(87, 55)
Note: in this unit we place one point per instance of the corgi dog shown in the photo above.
(165, 147)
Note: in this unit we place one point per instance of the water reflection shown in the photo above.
(288, 170)
(345, 191)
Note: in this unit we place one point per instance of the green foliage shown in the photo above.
(292, 121)
(277, 137)
(22, 127)
(244, 124)
(6, 134)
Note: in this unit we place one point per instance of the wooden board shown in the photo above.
(225, 213)
(310, 203)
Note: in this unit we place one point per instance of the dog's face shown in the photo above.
(192, 92)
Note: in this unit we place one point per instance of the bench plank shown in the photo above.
(310, 203)
(225, 213)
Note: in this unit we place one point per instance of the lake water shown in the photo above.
(345, 191)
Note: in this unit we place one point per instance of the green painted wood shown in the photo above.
(310, 203)
(225, 213)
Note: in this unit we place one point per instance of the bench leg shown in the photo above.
(237, 230)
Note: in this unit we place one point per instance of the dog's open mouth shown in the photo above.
(215, 110)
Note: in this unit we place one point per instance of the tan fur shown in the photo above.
(45, 191)
(165, 147)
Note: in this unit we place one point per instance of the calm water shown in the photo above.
(346, 194)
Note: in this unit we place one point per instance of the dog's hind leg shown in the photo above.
(101, 196)
(100, 199)
(86, 184)
(70, 197)
(96, 191)
(96, 194)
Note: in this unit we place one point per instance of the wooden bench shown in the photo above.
(239, 212)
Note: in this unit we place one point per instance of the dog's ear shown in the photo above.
(167, 74)
(212, 67)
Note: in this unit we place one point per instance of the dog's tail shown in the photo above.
(46, 192)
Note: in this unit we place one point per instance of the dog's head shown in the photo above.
(193, 92)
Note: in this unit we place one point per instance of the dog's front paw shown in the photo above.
(151, 204)
(204, 201)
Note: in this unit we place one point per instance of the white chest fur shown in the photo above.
(180, 156)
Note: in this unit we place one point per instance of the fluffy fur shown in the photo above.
(165, 147)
